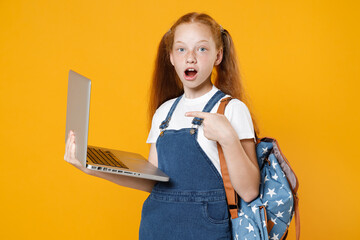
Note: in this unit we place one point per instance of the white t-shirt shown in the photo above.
(236, 112)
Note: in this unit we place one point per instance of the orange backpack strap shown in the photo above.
(231, 196)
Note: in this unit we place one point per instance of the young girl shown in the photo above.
(184, 134)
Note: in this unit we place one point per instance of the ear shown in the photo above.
(219, 57)
(171, 59)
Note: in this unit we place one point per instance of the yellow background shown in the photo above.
(299, 61)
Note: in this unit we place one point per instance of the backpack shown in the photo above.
(269, 215)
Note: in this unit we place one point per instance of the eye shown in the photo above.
(202, 49)
(181, 49)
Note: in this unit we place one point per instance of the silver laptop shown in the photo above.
(99, 158)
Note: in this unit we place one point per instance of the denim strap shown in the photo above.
(196, 121)
(211, 103)
(164, 124)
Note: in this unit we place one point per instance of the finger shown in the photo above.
(69, 142)
(67, 151)
(197, 114)
(66, 147)
(72, 150)
(68, 139)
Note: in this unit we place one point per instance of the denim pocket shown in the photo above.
(216, 212)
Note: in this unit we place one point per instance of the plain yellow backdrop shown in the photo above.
(299, 61)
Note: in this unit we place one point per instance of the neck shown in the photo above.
(200, 90)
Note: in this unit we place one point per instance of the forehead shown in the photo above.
(192, 33)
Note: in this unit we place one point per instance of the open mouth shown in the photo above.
(190, 73)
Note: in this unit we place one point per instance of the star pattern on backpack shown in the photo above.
(275, 202)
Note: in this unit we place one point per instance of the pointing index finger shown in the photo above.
(197, 114)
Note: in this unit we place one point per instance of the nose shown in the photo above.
(191, 58)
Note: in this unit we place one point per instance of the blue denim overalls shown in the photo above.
(192, 205)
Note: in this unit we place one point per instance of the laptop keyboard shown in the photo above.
(104, 157)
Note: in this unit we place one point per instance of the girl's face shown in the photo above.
(194, 55)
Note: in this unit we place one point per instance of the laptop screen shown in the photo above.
(77, 112)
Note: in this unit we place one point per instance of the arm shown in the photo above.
(240, 155)
(126, 181)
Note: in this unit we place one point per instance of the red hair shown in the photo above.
(166, 83)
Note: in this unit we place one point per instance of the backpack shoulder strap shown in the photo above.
(231, 196)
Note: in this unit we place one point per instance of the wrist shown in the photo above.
(90, 172)
(86, 170)
(228, 135)
(228, 140)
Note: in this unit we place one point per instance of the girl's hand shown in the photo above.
(69, 156)
(216, 127)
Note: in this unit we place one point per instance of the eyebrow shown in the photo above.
(197, 42)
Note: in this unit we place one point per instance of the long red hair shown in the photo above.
(226, 76)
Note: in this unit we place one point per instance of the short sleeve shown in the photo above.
(159, 116)
(239, 116)
(154, 131)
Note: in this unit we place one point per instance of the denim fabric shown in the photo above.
(192, 205)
